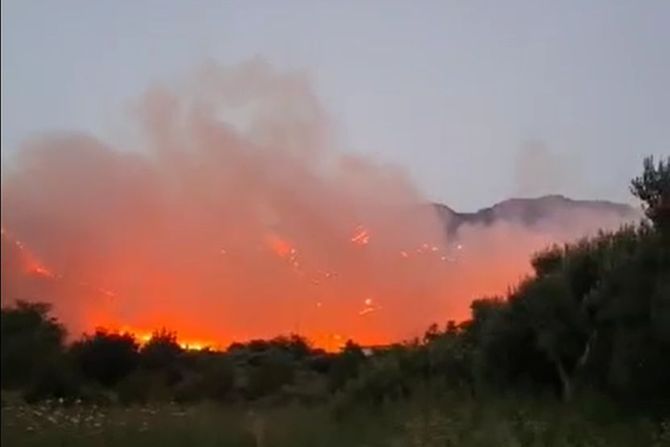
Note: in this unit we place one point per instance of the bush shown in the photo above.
(268, 373)
(161, 351)
(55, 380)
(144, 386)
(345, 366)
(106, 357)
(32, 342)
(211, 377)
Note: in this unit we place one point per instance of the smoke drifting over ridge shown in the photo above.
(237, 218)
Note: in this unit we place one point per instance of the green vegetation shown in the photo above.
(576, 354)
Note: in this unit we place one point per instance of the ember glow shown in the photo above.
(237, 218)
(143, 337)
(361, 237)
(280, 247)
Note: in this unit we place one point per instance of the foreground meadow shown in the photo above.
(419, 423)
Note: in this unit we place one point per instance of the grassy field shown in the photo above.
(415, 423)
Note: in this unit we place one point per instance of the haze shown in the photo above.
(245, 171)
(444, 89)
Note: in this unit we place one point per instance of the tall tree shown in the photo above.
(653, 188)
(106, 357)
(31, 340)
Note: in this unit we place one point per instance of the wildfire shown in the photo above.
(369, 307)
(277, 245)
(229, 233)
(361, 236)
(333, 342)
(40, 270)
(143, 337)
(281, 247)
(30, 263)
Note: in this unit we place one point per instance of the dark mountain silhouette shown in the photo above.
(531, 212)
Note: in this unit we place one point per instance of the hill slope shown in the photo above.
(545, 211)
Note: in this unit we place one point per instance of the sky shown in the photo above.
(479, 102)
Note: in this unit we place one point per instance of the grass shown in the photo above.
(51, 424)
(417, 423)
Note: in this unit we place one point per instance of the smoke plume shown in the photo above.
(238, 218)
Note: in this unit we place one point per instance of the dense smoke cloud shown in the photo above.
(237, 218)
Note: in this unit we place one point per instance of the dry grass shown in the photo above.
(416, 424)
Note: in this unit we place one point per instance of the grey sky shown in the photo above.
(455, 91)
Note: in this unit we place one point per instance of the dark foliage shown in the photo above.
(161, 351)
(32, 343)
(653, 188)
(106, 357)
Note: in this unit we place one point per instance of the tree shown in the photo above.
(547, 261)
(106, 357)
(345, 366)
(558, 324)
(212, 377)
(161, 351)
(269, 372)
(506, 351)
(31, 342)
(653, 188)
(631, 309)
(449, 355)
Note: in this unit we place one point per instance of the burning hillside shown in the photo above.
(238, 218)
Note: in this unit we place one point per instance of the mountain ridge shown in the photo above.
(532, 211)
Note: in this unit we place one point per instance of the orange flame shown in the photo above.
(144, 336)
(281, 247)
(175, 233)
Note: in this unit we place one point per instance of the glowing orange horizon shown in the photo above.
(329, 343)
(144, 336)
(324, 320)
